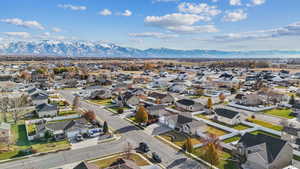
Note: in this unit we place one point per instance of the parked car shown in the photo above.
(144, 147)
(79, 138)
(156, 157)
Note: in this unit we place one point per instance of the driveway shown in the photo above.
(156, 129)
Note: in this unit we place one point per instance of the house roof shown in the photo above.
(186, 102)
(183, 119)
(157, 95)
(39, 96)
(70, 125)
(291, 130)
(226, 113)
(85, 165)
(273, 145)
(46, 107)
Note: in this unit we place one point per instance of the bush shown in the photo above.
(120, 111)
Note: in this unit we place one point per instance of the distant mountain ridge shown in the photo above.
(104, 49)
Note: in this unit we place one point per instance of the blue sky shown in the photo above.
(179, 24)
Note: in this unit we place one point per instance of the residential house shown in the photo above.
(127, 99)
(163, 98)
(4, 132)
(227, 116)
(46, 110)
(265, 152)
(69, 128)
(39, 98)
(184, 124)
(123, 164)
(85, 165)
(101, 94)
(189, 105)
(291, 134)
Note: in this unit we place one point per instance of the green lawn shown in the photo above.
(232, 139)
(102, 102)
(265, 133)
(225, 158)
(22, 143)
(202, 116)
(237, 127)
(216, 131)
(179, 139)
(107, 161)
(285, 113)
(116, 108)
(265, 124)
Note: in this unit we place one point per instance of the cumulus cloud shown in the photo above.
(289, 30)
(157, 35)
(256, 2)
(26, 24)
(72, 7)
(55, 29)
(235, 2)
(23, 35)
(127, 13)
(178, 22)
(105, 12)
(234, 16)
(201, 9)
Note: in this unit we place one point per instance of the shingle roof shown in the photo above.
(46, 107)
(85, 165)
(186, 102)
(226, 113)
(39, 96)
(157, 95)
(273, 145)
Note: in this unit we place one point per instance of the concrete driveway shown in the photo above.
(156, 129)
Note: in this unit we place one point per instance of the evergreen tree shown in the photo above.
(105, 128)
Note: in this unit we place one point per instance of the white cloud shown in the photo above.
(26, 24)
(127, 13)
(201, 9)
(72, 7)
(175, 19)
(105, 12)
(181, 23)
(234, 16)
(153, 35)
(55, 29)
(194, 29)
(23, 35)
(235, 2)
(289, 30)
(258, 2)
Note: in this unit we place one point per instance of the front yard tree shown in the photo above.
(209, 103)
(292, 100)
(76, 102)
(212, 148)
(141, 115)
(222, 97)
(90, 115)
(188, 146)
(105, 128)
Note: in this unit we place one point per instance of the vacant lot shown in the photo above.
(285, 113)
(265, 124)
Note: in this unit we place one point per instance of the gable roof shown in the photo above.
(157, 95)
(226, 113)
(186, 102)
(46, 107)
(39, 96)
(273, 145)
(85, 165)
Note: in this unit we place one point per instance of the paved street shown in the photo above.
(170, 157)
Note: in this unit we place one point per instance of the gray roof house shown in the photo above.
(227, 116)
(189, 105)
(265, 152)
(46, 110)
(39, 98)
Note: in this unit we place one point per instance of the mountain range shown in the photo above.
(103, 49)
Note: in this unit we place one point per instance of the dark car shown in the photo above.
(144, 147)
(156, 158)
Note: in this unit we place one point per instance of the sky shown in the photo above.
(178, 24)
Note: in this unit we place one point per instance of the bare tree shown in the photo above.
(4, 106)
(127, 150)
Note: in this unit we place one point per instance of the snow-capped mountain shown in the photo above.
(104, 49)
